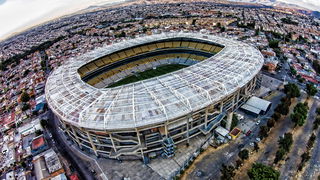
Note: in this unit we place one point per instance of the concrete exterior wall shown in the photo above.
(138, 142)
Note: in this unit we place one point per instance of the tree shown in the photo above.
(238, 163)
(311, 90)
(244, 154)
(25, 107)
(305, 157)
(23, 164)
(260, 171)
(235, 121)
(38, 132)
(263, 133)
(286, 141)
(274, 43)
(311, 141)
(44, 123)
(282, 108)
(316, 123)
(298, 119)
(227, 172)
(300, 114)
(292, 90)
(276, 116)
(24, 97)
(256, 147)
(193, 22)
(279, 155)
(316, 66)
(271, 122)
(222, 29)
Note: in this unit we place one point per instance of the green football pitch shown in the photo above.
(160, 70)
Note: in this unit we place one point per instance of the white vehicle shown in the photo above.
(258, 139)
(251, 144)
(258, 122)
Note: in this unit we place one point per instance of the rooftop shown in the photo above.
(37, 142)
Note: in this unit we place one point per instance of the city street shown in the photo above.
(301, 136)
(66, 151)
(227, 154)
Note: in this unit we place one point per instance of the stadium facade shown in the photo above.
(153, 115)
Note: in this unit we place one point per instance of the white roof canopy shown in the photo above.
(153, 100)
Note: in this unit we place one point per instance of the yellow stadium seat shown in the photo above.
(185, 44)
(200, 46)
(106, 60)
(94, 81)
(129, 52)
(82, 71)
(91, 66)
(122, 55)
(168, 44)
(176, 44)
(201, 58)
(160, 45)
(216, 50)
(144, 49)
(193, 45)
(213, 48)
(152, 47)
(137, 50)
(99, 63)
(185, 55)
(192, 56)
(114, 57)
(207, 47)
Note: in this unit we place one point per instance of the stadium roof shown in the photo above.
(154, 100)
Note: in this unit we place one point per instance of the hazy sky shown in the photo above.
(310, 4)
(17, 15)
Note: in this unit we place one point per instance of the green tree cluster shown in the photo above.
(227, 172)
(274, 43)
(292, 90)
(244, 154)
(316, 123)
(264, 132)
(25, 97)
(283, 107)
(260, 171)
(311, 89)
(235, 121)
(300, 113)
(305, 157)
(285, 144)
(316, 66)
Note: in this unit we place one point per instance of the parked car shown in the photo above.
(258, 122)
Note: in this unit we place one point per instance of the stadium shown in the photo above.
(148, 94)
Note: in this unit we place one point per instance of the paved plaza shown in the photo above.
(167, 167)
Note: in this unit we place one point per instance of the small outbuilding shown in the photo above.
(256, 106)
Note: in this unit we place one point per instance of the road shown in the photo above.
(313, 168)
(228, 154)
(66, 151)
(301, 137)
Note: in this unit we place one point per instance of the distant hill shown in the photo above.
(316, 14)
(302, 7)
